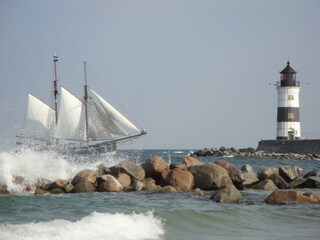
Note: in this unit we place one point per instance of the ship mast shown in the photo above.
(55, 85)
(85, 99)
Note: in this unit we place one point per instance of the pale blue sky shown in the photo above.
(193, 73)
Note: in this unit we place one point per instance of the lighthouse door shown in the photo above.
(291, 134)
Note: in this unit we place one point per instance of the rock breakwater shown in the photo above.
(251, 153)
(220, 179)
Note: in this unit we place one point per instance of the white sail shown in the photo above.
(70, 118)
(100, 126)
(114, 114)
(39, 122)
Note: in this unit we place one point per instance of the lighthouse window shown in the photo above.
(290, 115)
(290, 97)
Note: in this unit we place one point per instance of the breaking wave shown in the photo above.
(117, 226)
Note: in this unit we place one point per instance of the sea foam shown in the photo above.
(24, 169)
(96, 226)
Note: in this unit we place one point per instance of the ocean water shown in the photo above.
(141, 215)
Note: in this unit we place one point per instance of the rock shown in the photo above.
(287, 197)
(234, 173)
(167, 189)
(267, 184)
(101, 169)
(191, 161)
(249, 179)
(297, 183)
(111, 184)
(130, 168)
(3, 189)
(210, 177)
(312, 182)
(247, 169)
(279, 181)
(149, 184)
(68, 188)
(137, 185)
(124, 179)
(59, 183)
(266, 173)
(85, 175)
(227, 195)
(182, 166)
(290, 173)
(222, 149)
(153, 168)
(198, 192)
(314, 196)
(56, 191)
(40, 191)
(84, 186)
(182, 179)
(314, 173)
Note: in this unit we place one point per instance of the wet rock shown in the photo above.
(84, 186)
(227, 195)
(68, 188)
(130, 168)
(287, 197)
(290, 173)
(101, 169)
(191, 161)
(234, 173)
(59, 183)
(149, 184)
(247, 169)
(167, 189)
(279, 181)
(124, 179)
(297, 183)
(137, 185)
(110, 184)
(314, 196)
(312, 182)
(266, 173)
(85, 175)
(153, 168)
(40, 191)
(314, 173)
(182, 179)
(210, 177)
(56, 191)
(182, 166)
(267, 184)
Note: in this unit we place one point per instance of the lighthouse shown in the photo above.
(288, 119)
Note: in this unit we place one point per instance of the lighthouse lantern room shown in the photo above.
(288, 120)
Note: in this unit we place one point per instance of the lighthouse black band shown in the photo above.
(288, 114)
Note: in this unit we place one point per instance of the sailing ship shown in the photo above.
(88, 124)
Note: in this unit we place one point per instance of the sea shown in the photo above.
(180, 215)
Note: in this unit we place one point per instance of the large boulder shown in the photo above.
(130, 168)
(314, 173)
(149, 184)
(154, 167)
(181, 179)
(312, 182)
(124, 179)
(298, 183)
(279, 181)
(230, 194)
(58, 186)
(191, 161)
(234, 173)
(287, 197)
(110, 184)
(267, 173)
(290, 173)
(249, 176)
(84, 186)
(210, 177)
(267, 184)
(85, 175)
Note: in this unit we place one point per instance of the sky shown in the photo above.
(193, 73)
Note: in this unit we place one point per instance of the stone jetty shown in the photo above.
(251, 153)
(220, 180)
